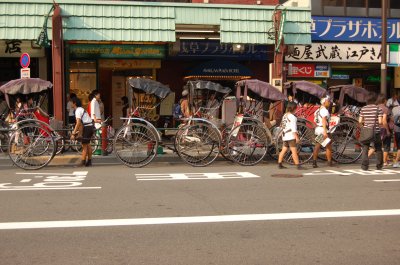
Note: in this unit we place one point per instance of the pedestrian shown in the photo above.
(396, 129)
(321, 118)
(385, 131)
(393, 101)
(371, 116)
(290, 136)
(95, 112)
(70, 109)
(84, 123)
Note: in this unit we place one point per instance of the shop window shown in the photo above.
(82, 77)
(375, 3)
(356, 3)
(333, 2)
(394, 4)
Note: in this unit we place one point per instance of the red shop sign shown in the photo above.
(301, 70)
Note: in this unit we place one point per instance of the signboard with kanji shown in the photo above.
(353, 29)
(333, 52)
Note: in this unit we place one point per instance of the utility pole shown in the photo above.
(383, 48)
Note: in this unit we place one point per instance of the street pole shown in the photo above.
(383, 49)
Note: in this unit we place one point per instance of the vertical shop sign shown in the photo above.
(394, 54)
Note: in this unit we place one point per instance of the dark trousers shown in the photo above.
(378, 150)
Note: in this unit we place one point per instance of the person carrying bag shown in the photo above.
(371, 118)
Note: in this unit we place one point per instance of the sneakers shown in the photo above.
(300, 167)
(82, 163)
(314, 164)
(397, 164)
(280, 166)
(88, 163)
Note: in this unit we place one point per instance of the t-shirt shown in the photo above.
(368, 113)
(80, 113)
(95, 109)
(392, 103)
(320, 113)
(70, 109)
(395, 113)
(289, 126)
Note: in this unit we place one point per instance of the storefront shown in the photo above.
(107, 67)
(351, 47)
(10, 53)
(99, 44)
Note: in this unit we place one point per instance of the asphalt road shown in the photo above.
(171, 213)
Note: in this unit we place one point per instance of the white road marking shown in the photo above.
(197, 219)
(15, 188)
(195, 176)
(348, 172)
(387, 180)
(26, 180)
(53, 174)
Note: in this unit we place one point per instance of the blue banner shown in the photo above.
(353, 29)
(209, 49)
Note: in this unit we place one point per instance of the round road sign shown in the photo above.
(25, 60)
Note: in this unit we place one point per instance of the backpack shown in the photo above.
(397, 120)
(177, 111)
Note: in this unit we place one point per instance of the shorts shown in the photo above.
(290, 143)
(397, 137)
(386, 143)
(319, 130)
(88, 131)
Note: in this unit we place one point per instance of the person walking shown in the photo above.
(393, 101)
(321, 118)
(371, 116)
(70, 109)
(385, 131)
(84, 123)
(396, 129)
(290, 137)
(95, 112)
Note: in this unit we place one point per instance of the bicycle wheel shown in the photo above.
(135, 144)
(346, 149)
(247, 144)
(198, 144)
(31, 147)
(304, 149)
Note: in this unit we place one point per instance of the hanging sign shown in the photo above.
(394, 55)
(308, 70)
(25, 73)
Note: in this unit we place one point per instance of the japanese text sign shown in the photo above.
(353, 29)
(308, 70)
(330, 52)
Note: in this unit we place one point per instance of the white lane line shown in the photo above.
(55, 188)
(386, 180)
(55, 174)
(196, 219)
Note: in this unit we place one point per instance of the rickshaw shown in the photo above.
(32, 143)
(249, 138)
(199, 141)
(136, 142)
(346, 147)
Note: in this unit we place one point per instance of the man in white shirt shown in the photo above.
(95, 109)
(393, 101)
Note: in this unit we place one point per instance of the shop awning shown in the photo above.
(219, 69)
(150, 22)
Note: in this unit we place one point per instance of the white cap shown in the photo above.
(185, 92)
(324, 99)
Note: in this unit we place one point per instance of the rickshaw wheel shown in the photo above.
(247, 144)
(224, 142)
(346, 149)
(31, 146)
(272, 151)
(304, 149)
(135, 145)
(198, 144)
(77, 146)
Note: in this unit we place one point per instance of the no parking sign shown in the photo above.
(25, 61)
